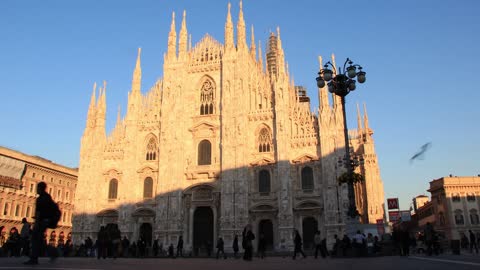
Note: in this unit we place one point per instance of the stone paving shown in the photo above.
(391, 263)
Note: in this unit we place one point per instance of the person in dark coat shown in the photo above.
(235, 246)
(43, 214)
(262, 246)
(101, 243)
(298, 245)
(220, 248)
(180, 246)
(155, 248)
(247, 238)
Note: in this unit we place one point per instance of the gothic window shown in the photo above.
(455, 197)
(113, 189)
(148, 188)
(459, 217)
(474, 219)
(307, 178)
(151, 153)
(264, 182)
(207, 98)
(204, 153)
(471, 197)
(264, 141)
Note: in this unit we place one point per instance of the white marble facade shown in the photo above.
(220, 141)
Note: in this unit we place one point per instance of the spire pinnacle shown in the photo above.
(260, 54)
(229, 30)
(92, 98)
(252, 46)
(241, 36)
(119, 117)
(182, 43)
(359, 119)
(281, 59)
(172, 40)
(365, 118)
(137, 74)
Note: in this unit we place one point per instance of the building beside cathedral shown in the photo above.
(221, 141)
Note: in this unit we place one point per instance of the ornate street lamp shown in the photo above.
(341, 82)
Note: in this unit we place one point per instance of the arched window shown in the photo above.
(148, 188)
(471, 197)
(151, 153)
(307, 178)
(113, 189)
(204, 153)
(474, 219)
(456, 197)
(265, 140)
(459, 217)
(264, 182)
(207, 98)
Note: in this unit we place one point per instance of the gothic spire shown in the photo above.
(260, 54)
(172, 40)
(337, 102)
(182, 43)
(365, 118)
(252, 46)
(281, 56)
(359, 119)
(137, 75)
(92, 98)
(323, 92)
(241, 36)
(229, 30)
(92, 109)
(119, 116)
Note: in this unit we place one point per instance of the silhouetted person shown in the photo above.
(317, 240)
(346, 243)
(43, 214)
(298, 245)
(180, 246)
(262, 246)
(25, 237)
(429, 237)
(247, 238)
(101, 243)
(88, 246)
(235, 246)
(116, 237)
(155, 248)
(125, 246)
(473, 242)
(142, 245)
(170, 251)
(220, 248)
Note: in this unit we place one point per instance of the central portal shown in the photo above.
(203, 230)
(146, 233)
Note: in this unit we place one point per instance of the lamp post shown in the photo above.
(341, 82)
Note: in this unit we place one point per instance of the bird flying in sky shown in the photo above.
(420, 154)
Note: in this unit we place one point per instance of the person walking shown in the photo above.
(317, 240)
(116, 237)
(247, 238)
(44, 213)
(180, 246)
(25, 237)
(429, 234)
(101, 243)
(220, 248)
(235, 246)
(298, 245)
(262, 246)
(473, 242)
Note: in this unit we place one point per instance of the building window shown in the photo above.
(43, 177)
(113, 189)
(207, 98)
(459, 217)
(151, 153)
(66, 195)
(307, 178)
(59, 193)
(31, 187)
(474, 219)
(456, 197)
(204, 153)
(264, 140)
(148, 188)
(5, 209)
(27, 214)
(17, 210)
(50, 191)
(264, 182)
(471, 197)
(441, 217)
(33, 175)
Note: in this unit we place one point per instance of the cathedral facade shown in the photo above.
(221, 141)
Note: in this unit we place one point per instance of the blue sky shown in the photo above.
(420, 58)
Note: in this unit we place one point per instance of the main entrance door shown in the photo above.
(146, 233)
(203, 230)
(309, 226)
(265, 227)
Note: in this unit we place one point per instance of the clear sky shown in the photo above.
(420, 58)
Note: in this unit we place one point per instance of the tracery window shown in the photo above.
(207, 98)
(151, 153)
(264, 140)
(113, 189)
(459, 217)
(204, 153)
(307, 178)
(148, 188)
(474, 218)
(264, 182)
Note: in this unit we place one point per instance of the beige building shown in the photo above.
(19, 175)
(456, 205)
(221, 141)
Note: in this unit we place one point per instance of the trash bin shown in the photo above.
(455, 245)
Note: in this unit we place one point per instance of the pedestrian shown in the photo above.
(155, 248)
(358, 242)
(370, 244)
(170, 251)
(235, 246)
(247, 238)
(116, 237)
(473, 242)
(180, 246)
(298, 245)
(13, 243)
(317, 240)
(262, 246)
(220, 245)
(25, 237)
(428, 236)
(44, 214)
(125, 246)
(346, 244)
